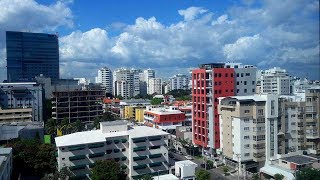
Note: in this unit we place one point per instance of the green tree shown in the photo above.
(202, 174)
(255, 177)
(146, 177)
(96, 122)
(308, 174)
(108, 116)
(51, 126)
(106, 170)
(31, 157)
(78, 126)
(209, 164)
(156, 101)
(278, 176)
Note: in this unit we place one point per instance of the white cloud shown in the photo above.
(191, 13)
(90, 45)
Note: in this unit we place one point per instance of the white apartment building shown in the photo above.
(275, 81)
(154, 86)
(105, 78)
(123, 80)
(148, 74)
(5, 163)
(249, 129)
(292, 128)
(140, 150)
(179, 81)
(245, 78)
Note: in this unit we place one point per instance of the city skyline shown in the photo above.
(171, 37)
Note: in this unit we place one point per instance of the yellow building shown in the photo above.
(139, 114)
(134, 112)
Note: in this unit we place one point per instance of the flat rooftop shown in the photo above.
(299, 159)
(185, 163)
(165, 177)
(97, 135)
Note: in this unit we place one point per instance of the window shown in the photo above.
(253, 82)
(247, 154)
(245, 82)
(246, 120)
(237, 82)
(246, 111)
(246, 137)
(253, 90)
(241, 74)
(247, 74)
(260, 111)
(245, 90)
(246, 128)
(246, 145)
(237, 74)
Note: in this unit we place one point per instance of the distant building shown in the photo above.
(275, 81)
(123, 81)
(22, 130)
(15, 115)
(179, 81)
(21, 96)
(134, 112)
(105, 79)
(5, 163)
(155, 86)
(139, 150)
(31, 54)
(83, 105)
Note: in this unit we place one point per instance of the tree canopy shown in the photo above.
(308, 174)
(180, 94)
(278, 176)
(156, 101)
(32, 158)
(107, 170)
(202, 174)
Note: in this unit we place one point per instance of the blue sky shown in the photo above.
(171, 36)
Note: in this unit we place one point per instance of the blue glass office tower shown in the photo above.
(31, 54)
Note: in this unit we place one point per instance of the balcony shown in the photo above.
(79, 157)
(138, 149)
(312, 135)
(96, 145)
(76, 148)
(96, 155)
(139, 140)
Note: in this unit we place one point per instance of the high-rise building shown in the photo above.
(105, 78)
(123, 81)
(31, 54)
(245, 76)
(136, 81)
(18, 96)
(275, 81)
(179, 81)
(139, 150)
(249, 129)
(148, 74)
(312, 120)
(155, 86)
(210, 82)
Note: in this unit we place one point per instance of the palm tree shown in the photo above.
(78, 126)
(51, 126)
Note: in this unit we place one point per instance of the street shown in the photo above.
(215, 173)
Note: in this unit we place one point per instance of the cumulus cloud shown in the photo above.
(191, 13)
(28, 15)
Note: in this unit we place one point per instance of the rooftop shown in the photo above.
(165, 177)
(185, 163)
(97, 135)
(299, 159)
(112, 123)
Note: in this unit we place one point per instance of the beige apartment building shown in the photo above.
(248, 129)
(313, 120)
(15, 115)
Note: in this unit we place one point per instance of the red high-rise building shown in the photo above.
(209, 82)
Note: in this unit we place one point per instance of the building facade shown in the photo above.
(209, 82)
(312, 121)
(15, 115)
(105, 78)
(275, 81)
(22, 96)
(163, 118)
(249, 129)
(83, 105)
(139, 150)
(31, 54)
(124, 81)
(179, 81)
(155, 86)
(5, 163)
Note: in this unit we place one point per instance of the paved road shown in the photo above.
(215, 174)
